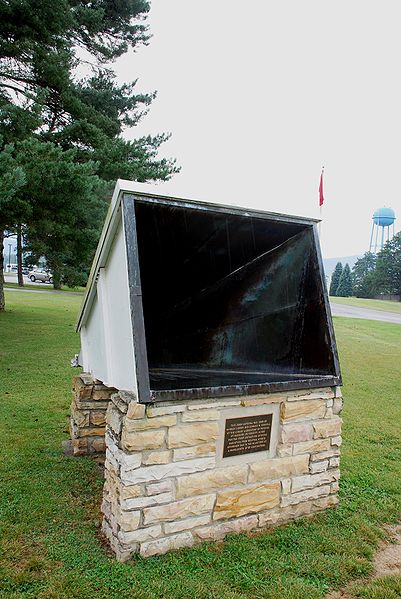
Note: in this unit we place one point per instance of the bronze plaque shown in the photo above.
(247, 434)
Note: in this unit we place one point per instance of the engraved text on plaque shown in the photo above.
(247, 434)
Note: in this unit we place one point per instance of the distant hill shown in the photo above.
(330, 264)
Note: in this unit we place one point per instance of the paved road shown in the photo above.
(20, 290)
(366, 313)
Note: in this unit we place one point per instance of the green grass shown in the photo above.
(50, 546)
(368, 303)
(44, 287)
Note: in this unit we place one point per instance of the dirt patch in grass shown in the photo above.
(387, 562)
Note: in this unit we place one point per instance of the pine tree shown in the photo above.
(335, 279)
(345, 285)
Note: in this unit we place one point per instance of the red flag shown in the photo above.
(321, 196)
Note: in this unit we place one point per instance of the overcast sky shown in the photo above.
(259, 95)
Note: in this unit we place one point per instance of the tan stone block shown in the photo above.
(210, 480)
(303, 410)
(79, 446)
(259, 400)
(217, 405)
(129, 520)
(336, 441)
(91, 431)
(325, 502)
(98, 418)
(137, 441)
(80, 417)
(164, 410)
(316, 467)
(294, 433)
(188, 524)
(139, 536)
(199, 415)
(149, 423)
(308, 481)
(103, 394)
(218, 531)
(335, 487)
(327, 428)
(311, 446)
(187, 453)
(337, 405)
(286, 486)
(269, 518)
(334, 462)
(193, 506)
(192, 434)
(284, 450)
(137, 503)
(91, 405)
(160, 546)
(256, 498)
(130, 491)
(323, 455)
(156, 457)
(322, 393)
(136, 410)
(295, 498)
(98, 445)
(114, 418)
(156, 488)
(162, 471)
(278, 468)
(81, 390)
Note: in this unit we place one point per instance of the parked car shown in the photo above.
(40, 275)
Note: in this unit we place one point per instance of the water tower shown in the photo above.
(383, 220)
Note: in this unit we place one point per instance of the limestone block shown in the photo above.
(284, 450)
(303, 410)
(98, 418)
(103, 393)
(157, 473)
(308, 481)
(153, 411)
(160, 546)
(129, 521)
(329, 413)
(322, 393)
(98, 445)
(130, 491)
(325, 502)
(216, 404)
(79, 446)
(295, 498)
(329, 403)
(255, 498)
(80, 417)
(193, 506)
(334, 462)
(141, 502)
(114, 418)
(82, 390)
(125, 460)
(86, 378)
(337, 405)
(295, 511)
(91, 431)
(119, 403)
(156, 488)
(187, 453)
(141, 535)
(335, 487)
(188, 524)
(210, 480)
(294, 433)
(218, 531)
(327, 428)
(192, 434)
(199, 415)
(323, 455)
(90, 405)
(316, 467)
(337, 441)
(149, 423)
(259, 400)
(156, 457)
(311, 446)
(269, 518)
(278, 468)
(135, 410)
(136, 441)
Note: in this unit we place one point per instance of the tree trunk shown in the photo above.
(2, 300)
(19, 256)
(56, 279)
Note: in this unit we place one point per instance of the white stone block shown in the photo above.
(157, 473)
(160, 546)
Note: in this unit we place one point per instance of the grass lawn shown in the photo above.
(50, 546)
(368, 303)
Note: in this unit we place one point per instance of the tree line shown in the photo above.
(372, 275)
(61, 142)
